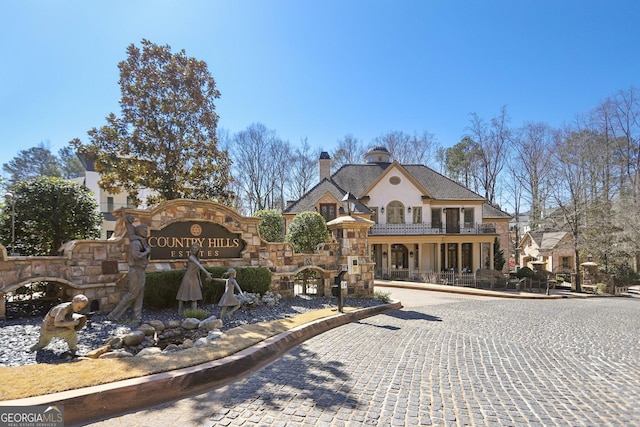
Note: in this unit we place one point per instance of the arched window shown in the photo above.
(395, 213)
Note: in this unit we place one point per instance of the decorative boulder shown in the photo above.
(147, 329)
(210, 323)
(188, 343)
(149, 350)
(133, 338)
(172, 324)
(158, 325)
(214, 335)
(201, 342)
(171, 348)
(115, 342)
(190, 323)
(94, 354)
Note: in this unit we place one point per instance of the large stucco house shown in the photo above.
(425, 223)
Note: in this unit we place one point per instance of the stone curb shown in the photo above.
(470, 291)
(104, 401)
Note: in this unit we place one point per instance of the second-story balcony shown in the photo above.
(426, 229)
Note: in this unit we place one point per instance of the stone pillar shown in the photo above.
(351, 234)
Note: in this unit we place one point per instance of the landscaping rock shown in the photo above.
(190, 323)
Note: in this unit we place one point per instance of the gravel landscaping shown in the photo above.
(19, 333)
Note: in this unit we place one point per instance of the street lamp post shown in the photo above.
(11, 200)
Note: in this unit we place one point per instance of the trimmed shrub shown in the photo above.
(306, 231)
(525, 272)
(271, 227)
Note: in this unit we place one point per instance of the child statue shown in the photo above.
(228, 298)
(62, 322)
(191, 285)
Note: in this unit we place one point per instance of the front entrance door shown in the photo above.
(399, 261)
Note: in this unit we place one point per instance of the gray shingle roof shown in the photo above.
(309, 200)
(547, 239)
(489, 211)
(357, 179)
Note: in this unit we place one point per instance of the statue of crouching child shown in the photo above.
(62, 322)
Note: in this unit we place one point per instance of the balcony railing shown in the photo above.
(422, 229)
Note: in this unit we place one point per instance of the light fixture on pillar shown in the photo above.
(382, 209)
(384, 254)
(409, 209)
(411, 254)
(349, 203)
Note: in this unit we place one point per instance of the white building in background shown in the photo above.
(107, 202)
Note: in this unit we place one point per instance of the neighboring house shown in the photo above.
(107, 202)
(553, 248)
(424, 222)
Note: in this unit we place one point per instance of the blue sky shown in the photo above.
(321, 69)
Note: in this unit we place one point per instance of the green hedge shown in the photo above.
(162, 287)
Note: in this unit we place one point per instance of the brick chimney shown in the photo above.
(324, 165)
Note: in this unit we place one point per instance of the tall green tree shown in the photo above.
(70, 164)
(49, 211)
(460, 162)
(306, 231)
(498, 255)
(31, 163)
(165, 137)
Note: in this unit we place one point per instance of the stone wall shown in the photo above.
(98, 268)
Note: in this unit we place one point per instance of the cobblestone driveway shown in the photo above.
(570, 362)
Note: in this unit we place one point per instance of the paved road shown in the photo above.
(443, 360)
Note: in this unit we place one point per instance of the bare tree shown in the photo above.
(260, 161)
(281, 153)
(409, 149)
(531, 165)
(570, 186)
(621, 116)
(492, 140)
(304, 170)
(350, 150)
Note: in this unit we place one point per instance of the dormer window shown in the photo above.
(328, 211)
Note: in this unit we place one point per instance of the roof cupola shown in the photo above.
(377, 154)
